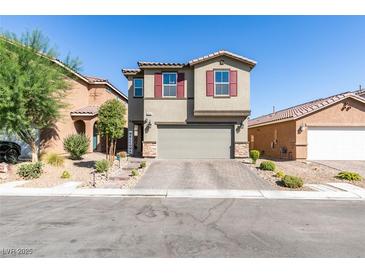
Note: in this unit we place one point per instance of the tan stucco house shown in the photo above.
(331, 128)
(82, 101)
(198, 109)
(80, 115)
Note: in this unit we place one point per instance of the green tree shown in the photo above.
(111, 123)
(32, 87)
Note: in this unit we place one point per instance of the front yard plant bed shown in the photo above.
(79, 170)
(125, 176)
(310, 172)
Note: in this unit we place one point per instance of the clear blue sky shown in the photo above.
(299, 57)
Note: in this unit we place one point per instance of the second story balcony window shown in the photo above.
(138, 87)
(169, 84)
(221, 83)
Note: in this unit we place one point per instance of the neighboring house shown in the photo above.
(82, 100)
(332, 128)
(197, 109)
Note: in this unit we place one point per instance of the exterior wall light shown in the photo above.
(301, 128)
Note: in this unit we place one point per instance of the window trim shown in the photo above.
(169, 85)
(215, 83)
(134, 87)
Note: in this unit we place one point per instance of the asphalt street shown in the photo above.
(166, 227)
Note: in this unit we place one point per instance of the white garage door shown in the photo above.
(194, 142)
(336, 143)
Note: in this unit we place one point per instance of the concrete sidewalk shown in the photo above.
(69, 189)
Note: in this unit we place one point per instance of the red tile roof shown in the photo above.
(301, 110)
(241, 58)
(143, 64)
(130, 71)
(85, 111)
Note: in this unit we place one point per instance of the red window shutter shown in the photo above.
(180, 85)
(210, 83)
(158, 85)
(233, 83)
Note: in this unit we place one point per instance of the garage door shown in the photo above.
(194, 142)
(336, 143)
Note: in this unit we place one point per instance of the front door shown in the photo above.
(95, 136)
(137, 140)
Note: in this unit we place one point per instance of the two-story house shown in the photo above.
(80, 115)
(197, 109)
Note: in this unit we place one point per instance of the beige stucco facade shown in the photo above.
(293, 134)
(79, 95)
(239, 103)
(149, 112)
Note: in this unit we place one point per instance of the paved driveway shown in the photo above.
(200, 174)
(356, 166)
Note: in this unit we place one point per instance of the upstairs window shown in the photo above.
(169, 84)
(138, 87)
(221, 82)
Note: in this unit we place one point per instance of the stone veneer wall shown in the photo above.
(241, 150)
(149, 150)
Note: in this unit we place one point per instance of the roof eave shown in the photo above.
(247, 61)
(353, 96)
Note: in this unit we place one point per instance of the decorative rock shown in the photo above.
(4, 168)
(3, 176)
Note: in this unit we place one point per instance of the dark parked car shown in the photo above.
(9, 151)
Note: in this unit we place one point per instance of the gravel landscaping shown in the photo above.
(310, 172)
(119, 175)
(80, 170)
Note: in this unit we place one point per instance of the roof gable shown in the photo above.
(86, 79)
(147, 65)
(216, 54)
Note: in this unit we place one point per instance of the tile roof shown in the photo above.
(130, 71)
(220, 53)
(142, 64)
(85, 111)
(301, 110)
(95, 79)
(361, 93)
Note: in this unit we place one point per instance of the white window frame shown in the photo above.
(215, 83)
(168, 85)
(134, 87)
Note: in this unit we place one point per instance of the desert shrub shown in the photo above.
(280, 174)
(254, 155)
(65, 175)
(122, 154)
(349, 176)
(143, 164)
(134, 172)
(267, 165)
(77, 145)
(292, 181)
(102, 166)
(30, 171)
(54, 159)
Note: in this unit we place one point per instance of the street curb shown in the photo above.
(183, 193)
